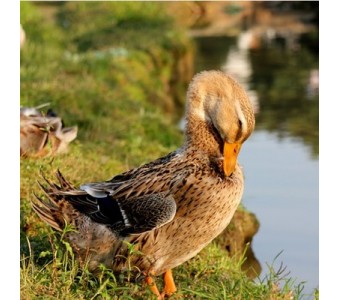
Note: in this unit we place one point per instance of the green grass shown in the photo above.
(108, 68)
(55, 274)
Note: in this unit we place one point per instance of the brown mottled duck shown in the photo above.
(170, 208)
(43, 134)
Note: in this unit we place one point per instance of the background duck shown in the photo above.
(171, 208)
(43, 134)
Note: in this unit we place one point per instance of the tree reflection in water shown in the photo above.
(286, 81)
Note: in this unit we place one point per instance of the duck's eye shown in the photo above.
(239, 123)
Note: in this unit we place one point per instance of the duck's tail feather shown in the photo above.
(48, 212)
(65, 185)
(53, 210)
(54, 188)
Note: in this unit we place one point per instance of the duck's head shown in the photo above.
(218, 100)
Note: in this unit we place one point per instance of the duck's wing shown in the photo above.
(132, 202)
(128, 216)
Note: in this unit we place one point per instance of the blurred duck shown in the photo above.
(22, 36)
(43, 135)
(171, 208)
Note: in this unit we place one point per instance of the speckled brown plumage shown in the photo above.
(187, 198)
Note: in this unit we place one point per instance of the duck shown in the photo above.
(168, 209)
(43, 135)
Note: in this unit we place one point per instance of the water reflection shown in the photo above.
(282, 190)
(238, 65)
(281, 157)
(281, 81)
(287, 85)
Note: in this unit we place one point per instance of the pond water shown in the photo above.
(282, 190)
(280, 159)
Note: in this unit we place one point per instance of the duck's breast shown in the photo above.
(205, 206)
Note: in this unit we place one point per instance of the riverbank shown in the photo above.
(230, 18)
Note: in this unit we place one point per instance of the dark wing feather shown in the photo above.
(148, 212)
(128, 216)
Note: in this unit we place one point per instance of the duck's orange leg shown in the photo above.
(153, 286)
(169, 284)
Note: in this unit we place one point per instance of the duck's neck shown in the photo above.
(201, 135)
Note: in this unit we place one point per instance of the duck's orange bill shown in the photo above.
(230, 153)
